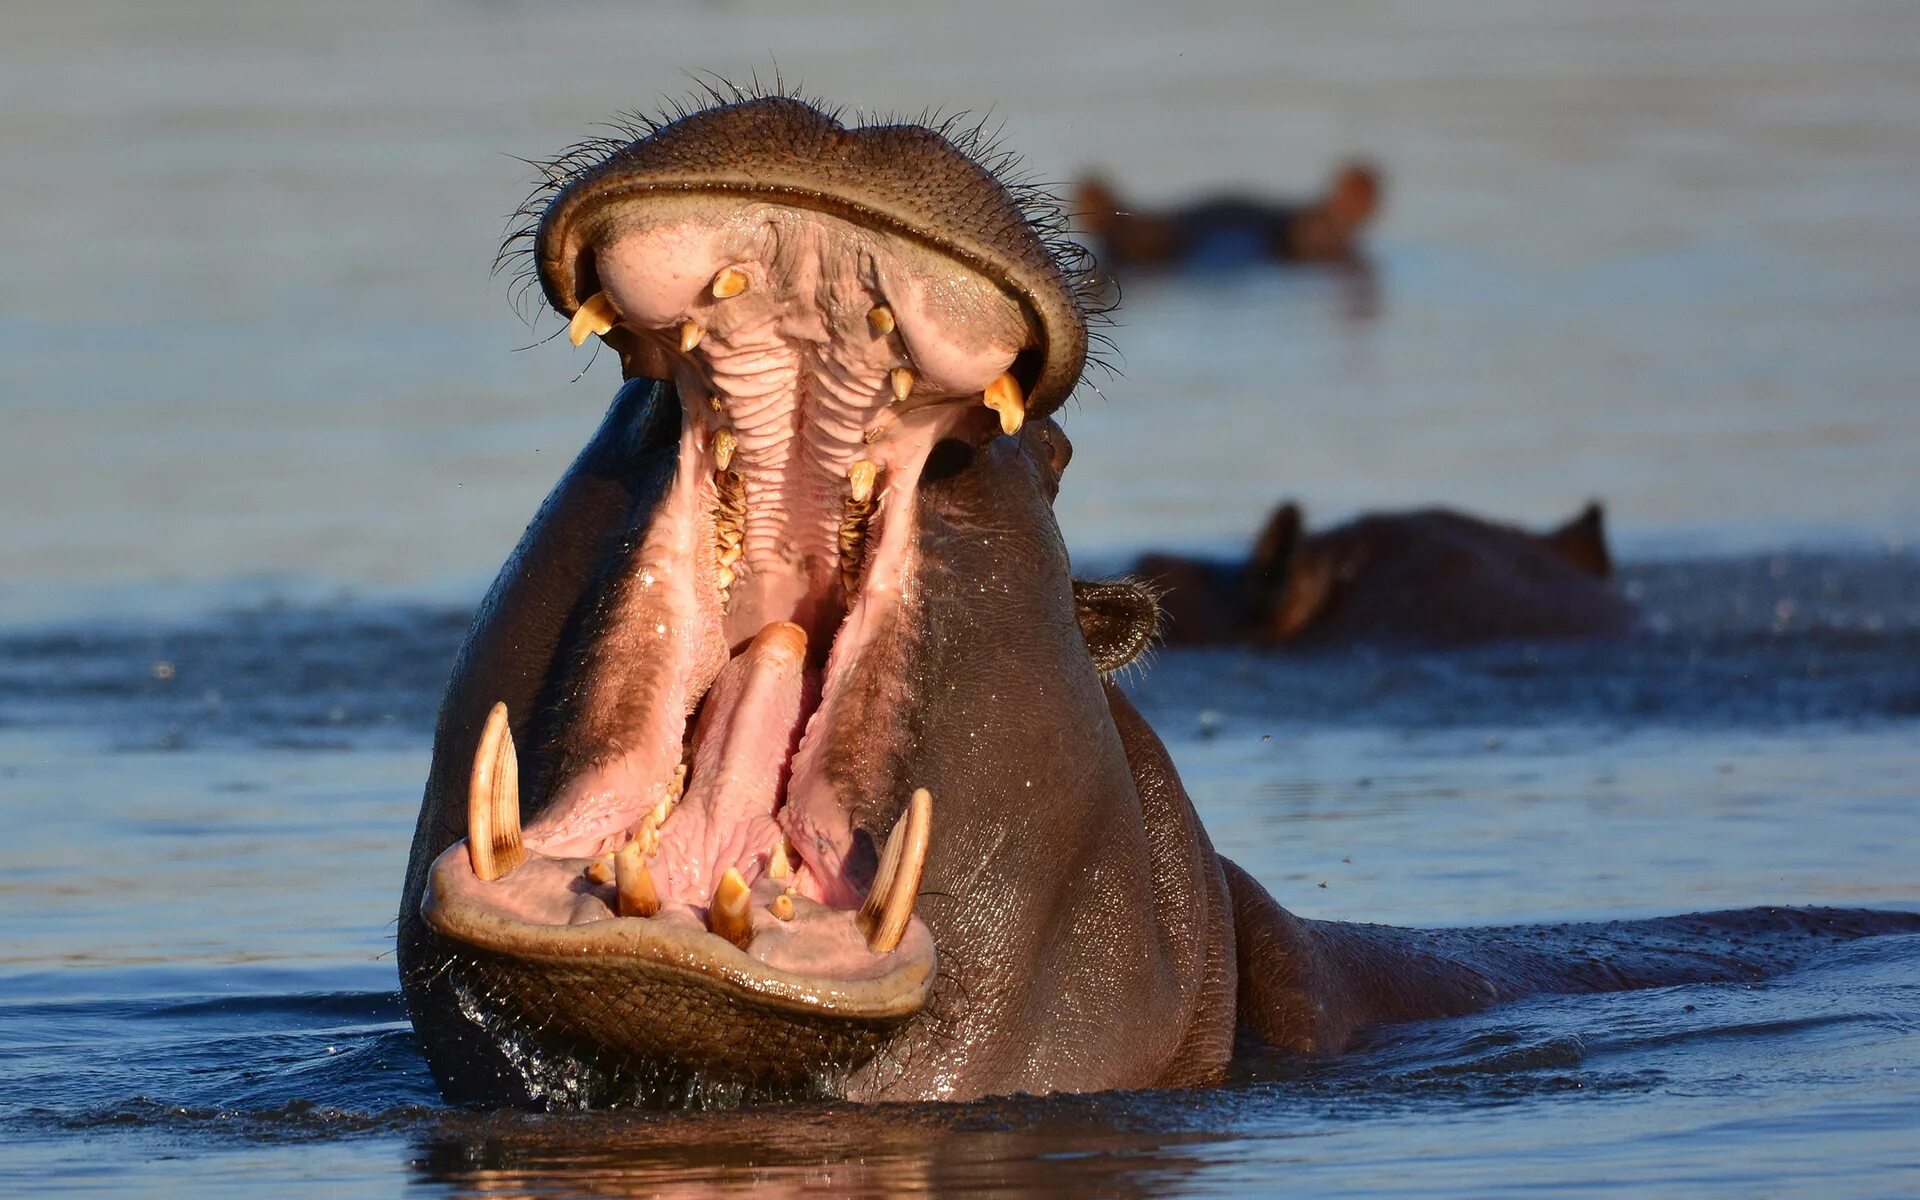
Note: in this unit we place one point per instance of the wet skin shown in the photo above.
(1430, 577)
(780, 759)
(1233, 230)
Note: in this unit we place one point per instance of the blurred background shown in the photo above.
(1661, 255)
(268, 425)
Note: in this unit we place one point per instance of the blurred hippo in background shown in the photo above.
(1425, 577)
(1233, 230)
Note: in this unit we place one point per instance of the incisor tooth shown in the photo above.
(690, 335)
(724, 441)
(596, 316)
(600, 871)
(889, 906)
(901, 380)
(731, 914)
(633, 886)
(782, 907)
(860, 481)
(880, 320)
(728, 284)
(779, 866)
(1003, 396)
(493, 801)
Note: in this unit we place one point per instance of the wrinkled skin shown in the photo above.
(1428, 578)
(1224, 231)
(1085, 932)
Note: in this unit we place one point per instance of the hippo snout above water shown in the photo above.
(779, 758)
(1234, 230)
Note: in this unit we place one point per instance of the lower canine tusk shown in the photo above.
(595, 316)
(493, 801)
(731, 914)
(883, 918)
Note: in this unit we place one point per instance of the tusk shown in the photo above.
(633, 884)
(729, 283)
(594, 317)
(1003, 396)
(880, 320)
(883, 918)
(493, 801)
(900, 379)
(731, 914)
(690, 335)
(860, 481)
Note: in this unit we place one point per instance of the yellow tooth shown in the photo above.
(678, 787)
(647, 838)
(690, 335)
(880, 320)
(782, 907)
(600, 871)
(728, 284)
(901, 380)
(889, 905)
(724, 443)
(730, 554)
(724, 577)
(594, 317)
(633, 885)
(731, 914)
(1003, 396)
(779, 866)
(860, 481)
(493, 801)
(661, 812)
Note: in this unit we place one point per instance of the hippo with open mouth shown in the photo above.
(780, 761)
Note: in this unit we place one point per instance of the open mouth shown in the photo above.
(742, 669)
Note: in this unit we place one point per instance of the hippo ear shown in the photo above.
(1094, 205)
(1272, 556)
(1119, 618)
(1583, 542)
(1354, 195)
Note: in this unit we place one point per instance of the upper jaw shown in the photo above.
(933, 189)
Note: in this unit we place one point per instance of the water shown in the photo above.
(265, 435)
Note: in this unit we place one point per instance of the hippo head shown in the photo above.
(776, 760)
(1432, 576)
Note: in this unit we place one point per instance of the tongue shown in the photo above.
(742, 750)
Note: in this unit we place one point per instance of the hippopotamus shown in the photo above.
(1429, 577)
(782, 757)
(1234, 230)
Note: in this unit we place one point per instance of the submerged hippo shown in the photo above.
(1233, 230)
(1430, 577)
(779, 760)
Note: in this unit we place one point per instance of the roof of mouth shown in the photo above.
(944, 186)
